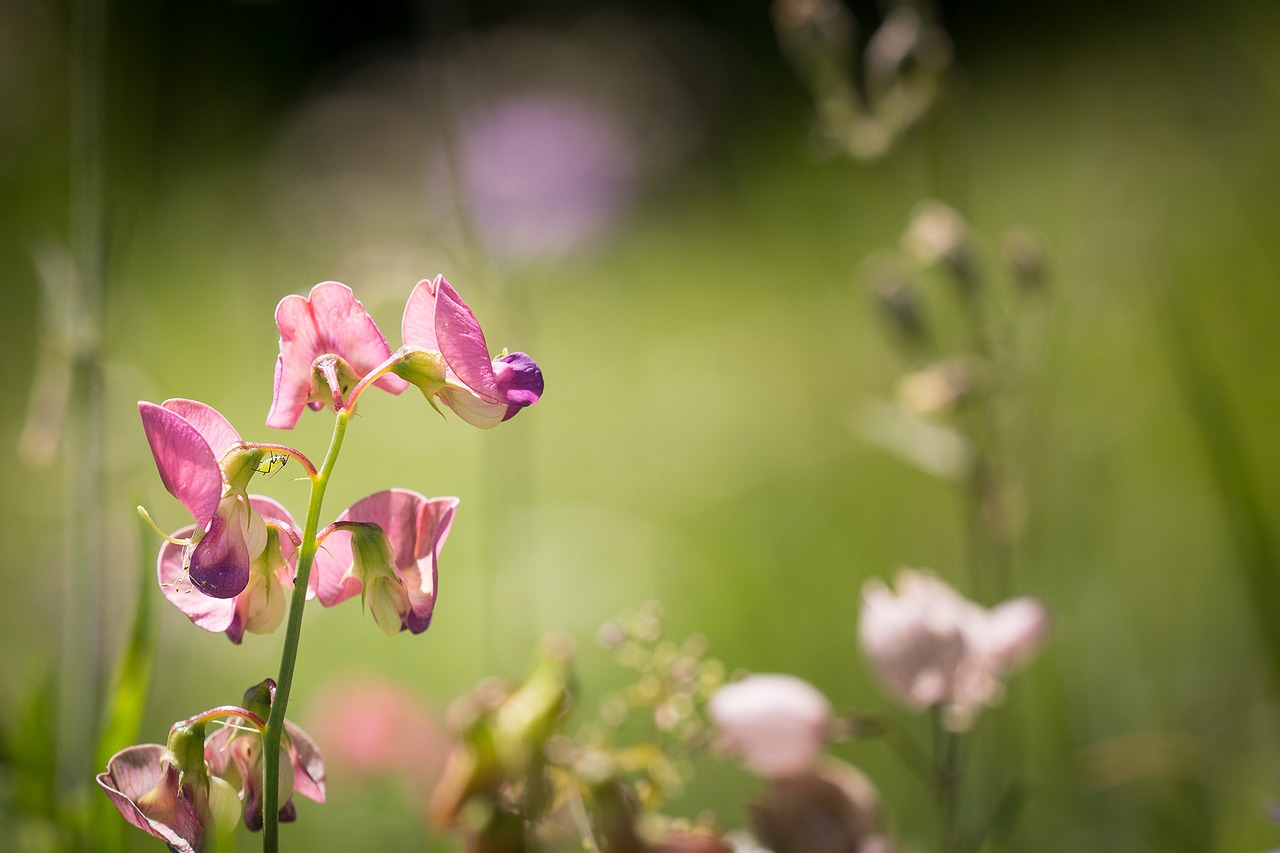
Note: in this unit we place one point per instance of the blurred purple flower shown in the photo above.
(544, 172)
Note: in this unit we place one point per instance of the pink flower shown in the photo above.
(930, 646)
(235, 754)
(386, 546)
(327, 322)
(203, 464)
(259, 607)
(480, 390)
(776, 724)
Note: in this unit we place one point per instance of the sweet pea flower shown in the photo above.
(204, 464)
(235, 753)
(482, 391)
(328, 343)
(386, 547)
(929, 646)
(776, 724)
(259, 607)
(170, 791)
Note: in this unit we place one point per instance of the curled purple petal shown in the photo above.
(219, 565)
(145, 792)
(211, 614)
(519, 381)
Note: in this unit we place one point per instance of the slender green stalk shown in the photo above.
(946, 782)
(293, 634)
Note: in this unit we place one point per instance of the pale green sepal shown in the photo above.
(422, 368)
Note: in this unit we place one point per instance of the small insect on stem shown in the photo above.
(273, 463)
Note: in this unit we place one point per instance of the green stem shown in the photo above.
(293, 633)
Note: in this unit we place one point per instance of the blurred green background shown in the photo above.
(699, 304)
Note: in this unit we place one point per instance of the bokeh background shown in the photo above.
(632, 193)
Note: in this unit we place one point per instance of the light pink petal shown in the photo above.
(212, 426)
(211, 614)
(329, 578)
(418, 326)
(472, 409)
(776, 724)
(308, 764)
(274, 513)
(187, 465)
(1014, 631)
(462, 343)
(421, 576)
(299, 346)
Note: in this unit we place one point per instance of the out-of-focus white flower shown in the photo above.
(777, 725)
(928, 645)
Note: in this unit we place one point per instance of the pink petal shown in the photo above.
(329, 320)
(329, 577)
(187, 464)
(418, 326)
(777, 724)
(472, 409)
(274, 513)
(421, 577)
(308, 764)
(211, 614)
(212, 426)
(462, 343)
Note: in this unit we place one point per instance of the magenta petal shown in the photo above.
(219, 565)
(519, 381)
(216, 430)
(421, 576)
(462, 343)
(211, 614)
(187, 465)
(329, 578)
(134, 772)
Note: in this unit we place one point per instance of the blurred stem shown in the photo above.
(293, 634)
(946, 781)
(1258, 561)
(80, 686)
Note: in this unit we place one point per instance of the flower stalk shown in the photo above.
(293, 635)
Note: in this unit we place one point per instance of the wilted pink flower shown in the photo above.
(194, 449)
(776, 724)
(480, 390)
(327, 322)
(147, 791)
(259, 607)
(930, 646)
(386, 546)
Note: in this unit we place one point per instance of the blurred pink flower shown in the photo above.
(327, 322)
(776, 724)
(386, 546)
(373, 727)
(259, 607)
(480, 390)
(191, 444)
(930, 646)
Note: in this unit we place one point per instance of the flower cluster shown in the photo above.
(199, 784)
(229, 570)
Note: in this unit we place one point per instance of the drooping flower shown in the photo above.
(259, 607)
(203, 463)
(776, 724)
(386, 546)
(481, 390)
(145, 790)
(928, 645)
(328, 343)
(235, 753)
